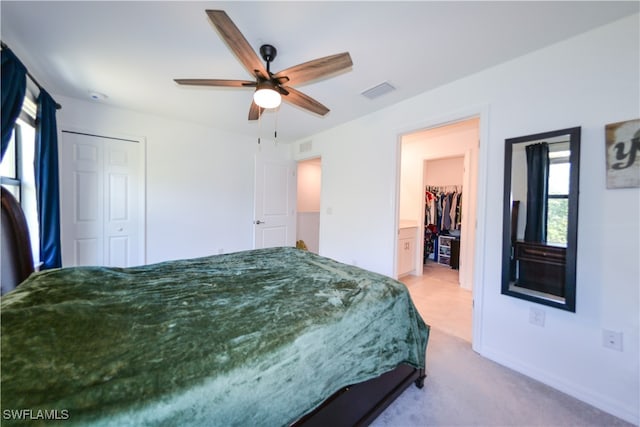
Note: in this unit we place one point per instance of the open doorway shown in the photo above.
(308, 204)
(438, 197)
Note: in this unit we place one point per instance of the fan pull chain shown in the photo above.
(259, 124)
(275, 131)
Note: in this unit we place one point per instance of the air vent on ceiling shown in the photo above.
(305, 146)
(378, 90)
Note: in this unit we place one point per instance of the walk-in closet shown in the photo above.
(437, 206)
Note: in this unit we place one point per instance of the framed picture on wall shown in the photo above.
(622, 141)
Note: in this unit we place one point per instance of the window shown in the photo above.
(17, 170)
(558, 195)
(11, 162)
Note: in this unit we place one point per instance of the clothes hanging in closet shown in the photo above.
(443, 214)
(443, 208)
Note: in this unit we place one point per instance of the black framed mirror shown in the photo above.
(540, 217)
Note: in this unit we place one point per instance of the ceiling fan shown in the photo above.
(270, 87)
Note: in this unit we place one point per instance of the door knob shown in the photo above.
(258, 222)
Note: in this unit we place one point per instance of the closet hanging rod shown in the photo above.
(33, 79)
(444, 188)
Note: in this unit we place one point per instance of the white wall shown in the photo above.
(308, 219)
(309, 184)
(308, 230)
(200, 181)
(444, 172)
(587, 81)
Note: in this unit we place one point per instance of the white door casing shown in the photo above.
(467, 234)
(102, 198)
(275, 203)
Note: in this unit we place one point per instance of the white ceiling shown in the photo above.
(132, 51)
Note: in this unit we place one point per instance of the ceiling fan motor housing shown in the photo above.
(268, 52)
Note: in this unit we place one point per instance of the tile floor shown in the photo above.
(440, 300)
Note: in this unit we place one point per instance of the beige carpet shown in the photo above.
(464, 389)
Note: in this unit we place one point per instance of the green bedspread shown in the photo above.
(249, 338)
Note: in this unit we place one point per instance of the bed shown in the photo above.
(275, 336)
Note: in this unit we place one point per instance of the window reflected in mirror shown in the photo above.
(558, 195)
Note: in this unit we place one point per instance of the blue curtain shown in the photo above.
(47, 182)
(537, 189)
(14, 85)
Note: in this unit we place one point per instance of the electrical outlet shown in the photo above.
(612, 339)
(536, 317)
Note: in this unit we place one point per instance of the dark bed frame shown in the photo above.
(360, 404)
(355, 405)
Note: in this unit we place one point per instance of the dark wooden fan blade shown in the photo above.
(254, 111)
(314, 69)
(216, 82)
(237, 43)
(298, 98)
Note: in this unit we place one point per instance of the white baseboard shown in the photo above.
(600, 401)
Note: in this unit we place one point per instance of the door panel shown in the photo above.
(121, 227)
(81, 204)
(119, 250)
(274, 236)
(118, 197)
(87, 207)
(86, 251)
(275, 203)
(276, 179)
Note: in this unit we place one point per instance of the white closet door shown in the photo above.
(100, 201)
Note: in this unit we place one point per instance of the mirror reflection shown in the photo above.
(540, 217)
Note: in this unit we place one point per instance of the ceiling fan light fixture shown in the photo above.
(266, 96)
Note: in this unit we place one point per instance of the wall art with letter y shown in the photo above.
(623, 154)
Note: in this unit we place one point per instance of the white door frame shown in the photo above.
(481, 112)
(142, 181)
